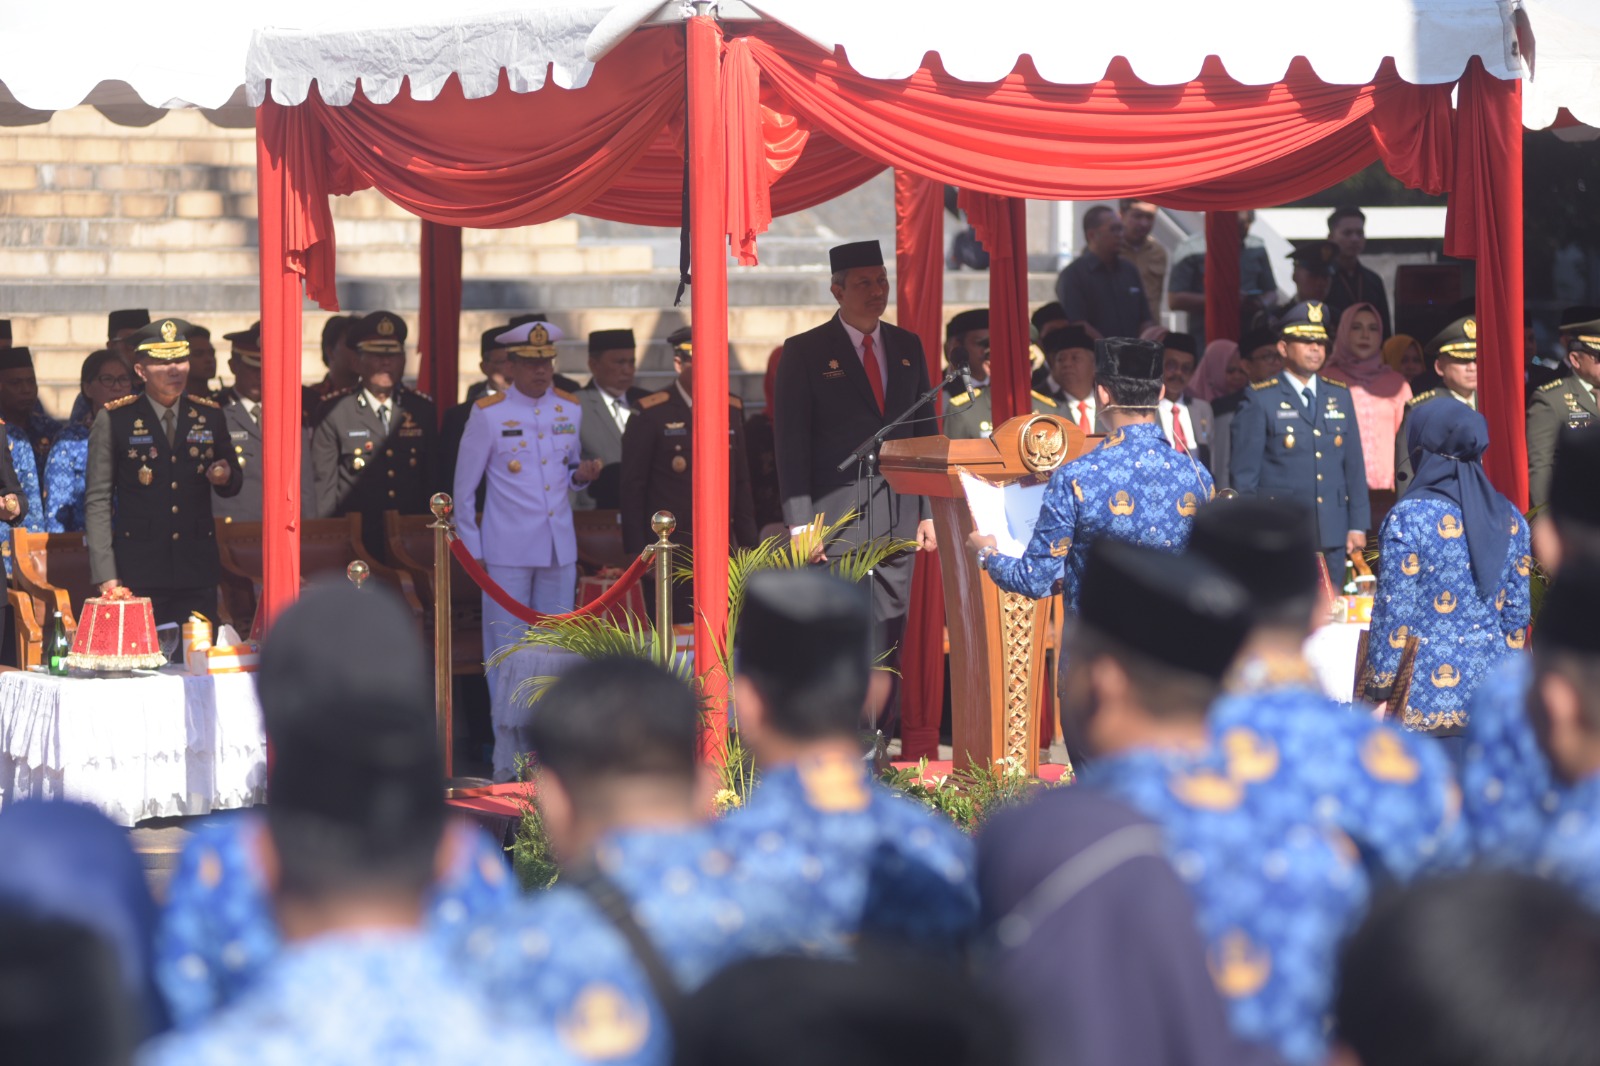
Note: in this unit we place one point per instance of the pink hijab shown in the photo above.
(1210, 381)
(1379, 395)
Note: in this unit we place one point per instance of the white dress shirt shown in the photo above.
(856, 336)
(1168, 411)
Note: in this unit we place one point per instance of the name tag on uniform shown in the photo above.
(238, 434)
(1288, 414)
(137, 440)
(833, 370)
(358, 432)
(511, 432)
(675, 429)
(563, 427)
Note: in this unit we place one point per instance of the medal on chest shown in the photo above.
(146, 475)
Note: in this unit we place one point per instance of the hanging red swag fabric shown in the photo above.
(439, 328)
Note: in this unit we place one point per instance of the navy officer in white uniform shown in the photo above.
(524, 443)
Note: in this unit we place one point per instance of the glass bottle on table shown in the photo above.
(59, 648)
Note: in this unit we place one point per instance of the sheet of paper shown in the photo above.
(1006, 513)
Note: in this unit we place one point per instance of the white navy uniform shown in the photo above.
(527, 449)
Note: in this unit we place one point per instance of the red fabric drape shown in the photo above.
(439, 332)
(1486, 223)
(1222, 276)
(1000, 223)
(919, 307)
(280, 361)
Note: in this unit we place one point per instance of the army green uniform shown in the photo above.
(969, 416)
(1564, 401)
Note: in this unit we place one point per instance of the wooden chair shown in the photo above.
(600, 540)
(327, 546)
(410, 548)
(49, 572)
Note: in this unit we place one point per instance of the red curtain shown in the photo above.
(919, 307)
(1000, 223)
(439, 332)
(1222, 276)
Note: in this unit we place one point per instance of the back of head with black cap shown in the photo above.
(1175, 624)
(805, 643)
(613, 719)
(63, 1001)
(1568, 644)
(1573, 502)
(1269, 548)
(357, 794)
(1130, 370)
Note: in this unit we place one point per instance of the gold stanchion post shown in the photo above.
(442, 508)
(357, 573)
(662, 523)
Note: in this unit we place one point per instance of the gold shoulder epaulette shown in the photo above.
(565, 395)
(205, 400)
(1419, 397)
(1267, 384)
(655, 399)
(491, 399)
(420, 394)
(1556, 384)
(1336, 381)
(736, 403)
(962, 398)
(337, 394)
(122, 401)
(1046, 400)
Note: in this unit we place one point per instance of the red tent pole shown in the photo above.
(280, 360)
(1222, 277)
(439, 327)
(709, 304)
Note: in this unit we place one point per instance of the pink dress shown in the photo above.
(1380, 397)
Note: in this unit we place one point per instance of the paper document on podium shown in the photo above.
(1007, 513)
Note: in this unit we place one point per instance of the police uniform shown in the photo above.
(658, 475)
(147, 506)
(1457, 342)
(969, 415)
(1565, 401)
(1285, 449)
(244, 436)
(527, 450)
(556, 961)
(1134, 487)
(365, 464)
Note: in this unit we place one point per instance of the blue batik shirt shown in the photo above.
(1391, 792)
(1508, 795)
(1274, 893)
(1426, 589)
(871, 863)
(217, 932)
(66, 476)
(41, 429)
(555, 961)
(1570, 852)
(372, 998)
(1134, 487)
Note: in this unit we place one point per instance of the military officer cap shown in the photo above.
(128, 318)
(1182, 342)
(1064, 337)
(165, 341)
(531, 340)
(1266, 546)
(5, 329)
(1305, 321)
(1458, 340)
(1573, 477)
(966, 322)
(246, 344)
(16, 359)
(1125, 357)
(858, 254)
(380, 333)
(351, 718)
(1585, 335)
(1576, 315)
(1315, 256)
(1178, 610)
(681, 341)
(609, 340)
(802, 628)
(531, 316)
(1566, 621)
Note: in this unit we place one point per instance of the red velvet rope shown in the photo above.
(523, 613)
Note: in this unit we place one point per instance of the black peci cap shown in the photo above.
(966, 322)
(1063, 337)
(1050, 312)
(850, 256)
(1574, 494)
(798, 628)
(1124, 357)
(1178, 610)
(1267, 546)
(16, 359)
(607, 340)
(128, 318)
(1182, 342)
(1567, 619)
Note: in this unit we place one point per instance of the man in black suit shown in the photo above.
(838, 384)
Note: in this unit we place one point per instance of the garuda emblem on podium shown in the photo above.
(1044, 444)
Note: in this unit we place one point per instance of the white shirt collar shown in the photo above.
(248, 404)
(686, 397)
(855, 336)
(374, 403)
(1073, 401)
(1301, 386)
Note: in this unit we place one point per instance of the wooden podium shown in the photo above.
(996, 637)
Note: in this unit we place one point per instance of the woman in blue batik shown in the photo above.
(105, 378)
(1454, 573)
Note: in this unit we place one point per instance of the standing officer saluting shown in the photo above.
(154, 461)
(1295, 438)
(658, 471)
(375, 446)
(525, 443)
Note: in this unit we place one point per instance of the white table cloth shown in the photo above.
(149, 746)
(1331, 651)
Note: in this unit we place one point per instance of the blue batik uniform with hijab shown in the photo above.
(68, 861)
(1453, 571)
(217, 932)
(66, 475)
(22, 438)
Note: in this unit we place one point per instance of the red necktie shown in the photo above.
(869, 363)
(1177, 429)
(1083, 418)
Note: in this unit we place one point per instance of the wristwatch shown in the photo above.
(983, 556)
